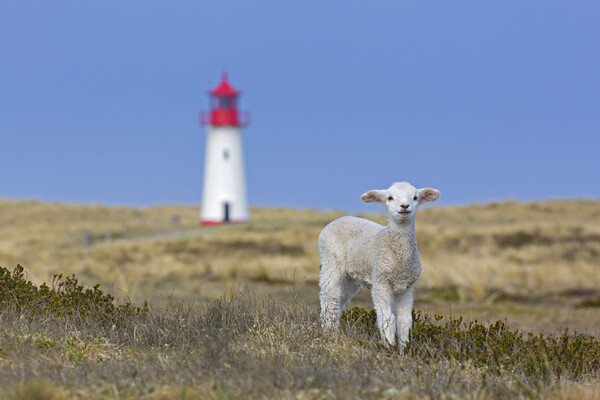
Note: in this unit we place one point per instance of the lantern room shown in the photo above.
(223, 107)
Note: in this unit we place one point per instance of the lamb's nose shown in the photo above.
(405, 206)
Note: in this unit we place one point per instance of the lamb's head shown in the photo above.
(401, 199)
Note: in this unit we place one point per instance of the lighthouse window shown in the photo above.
(226, 154)
(226, 102)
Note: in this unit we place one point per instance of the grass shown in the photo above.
(239, 346)
(532, 266)
(517, 249)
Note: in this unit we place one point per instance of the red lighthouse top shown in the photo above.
(224, 88)
(223, 106)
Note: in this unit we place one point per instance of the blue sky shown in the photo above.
(481, 100)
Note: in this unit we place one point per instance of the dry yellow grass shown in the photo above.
(520, 249)
(517, 249)
(589, 389)
(478, 261)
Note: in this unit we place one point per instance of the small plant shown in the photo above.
(65, 298)
(361, 320)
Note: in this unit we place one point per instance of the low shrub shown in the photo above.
(253, 349)
(64, 298)
(494, 346)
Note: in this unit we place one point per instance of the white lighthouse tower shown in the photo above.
(224, 189)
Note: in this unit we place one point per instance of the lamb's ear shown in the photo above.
(374, 196)
(427, 195)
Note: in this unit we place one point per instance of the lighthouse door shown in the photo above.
(226, 213)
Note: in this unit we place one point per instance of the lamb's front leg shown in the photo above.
(386, 319)
(404, 305)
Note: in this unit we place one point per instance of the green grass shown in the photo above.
(242, 347)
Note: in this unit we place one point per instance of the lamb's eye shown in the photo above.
(390, 198)
(414, 198)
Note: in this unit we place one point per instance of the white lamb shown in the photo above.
(356, 252)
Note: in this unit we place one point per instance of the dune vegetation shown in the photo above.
(64, 341)
(232, 311)
(499, 249)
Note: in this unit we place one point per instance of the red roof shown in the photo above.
(224, 88)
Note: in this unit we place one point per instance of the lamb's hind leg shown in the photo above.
(335, 295)
(331, 299)
(330, 295)
(332, 284)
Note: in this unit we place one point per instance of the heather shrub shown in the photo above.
(243, 347)
(64, 298)
(494, 347)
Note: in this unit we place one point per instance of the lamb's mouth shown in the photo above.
(404, 212)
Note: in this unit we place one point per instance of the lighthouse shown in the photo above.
(224, 187)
